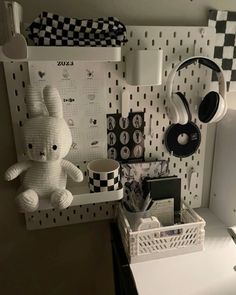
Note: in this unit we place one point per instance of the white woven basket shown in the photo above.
(164, 241)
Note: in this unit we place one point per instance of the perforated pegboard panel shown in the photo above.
(177, 43)
(17, 78)
(71, 215)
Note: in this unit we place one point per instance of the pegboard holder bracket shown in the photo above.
(16, 48)
(84, 197)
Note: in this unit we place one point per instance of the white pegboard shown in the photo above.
(177, 44)
(71, 215)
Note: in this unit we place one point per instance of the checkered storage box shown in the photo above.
(101, 182)
(55, 30)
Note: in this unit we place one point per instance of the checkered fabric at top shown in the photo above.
(54, 30)
(225, 51)
(104, 181)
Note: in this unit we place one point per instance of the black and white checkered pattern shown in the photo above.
(225, 51)
(54, 30)
(101, 182)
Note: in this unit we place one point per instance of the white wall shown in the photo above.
(133, 12)
(57, 258)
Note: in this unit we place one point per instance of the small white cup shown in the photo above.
(104, 175)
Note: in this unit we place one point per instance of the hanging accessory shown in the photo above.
(182, 140)
(213, 106)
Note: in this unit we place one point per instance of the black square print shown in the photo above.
(227, 64)
(96, 189)
(96, 176)
(231, 16)
(234, 54)
(110, 175)
(221, 26)
(116, 179)
(233, 75)
(103, 183)
(218, 52)
(212, 14)
(229, 39)
(111, 188)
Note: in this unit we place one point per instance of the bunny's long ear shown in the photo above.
(52, 101)
(34, 102)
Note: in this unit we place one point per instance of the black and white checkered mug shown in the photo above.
(104, 175)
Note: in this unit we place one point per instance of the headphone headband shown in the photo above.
(207, 62)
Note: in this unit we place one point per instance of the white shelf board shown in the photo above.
(82, 196)
(54, 53)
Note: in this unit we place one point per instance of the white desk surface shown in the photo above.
(209, 272)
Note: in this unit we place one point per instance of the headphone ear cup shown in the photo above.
(211, 108)
(180, 112)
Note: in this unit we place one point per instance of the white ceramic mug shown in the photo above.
(104, 175)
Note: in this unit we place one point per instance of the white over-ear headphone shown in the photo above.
(213, 106)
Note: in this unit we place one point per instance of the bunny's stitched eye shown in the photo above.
(54, 147)
(30, 146)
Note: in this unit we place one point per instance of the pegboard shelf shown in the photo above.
(17, 48)
(63, 53)
(82, 196)
(177, 43)
(41, 219)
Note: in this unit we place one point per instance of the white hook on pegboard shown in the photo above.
(125, 108)
(151, 127)
(202, 32)
(195, 50)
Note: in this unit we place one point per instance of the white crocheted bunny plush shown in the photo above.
(48, 140)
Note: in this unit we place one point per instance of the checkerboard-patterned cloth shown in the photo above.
(54, 30)
(225, 51)
(101, 182)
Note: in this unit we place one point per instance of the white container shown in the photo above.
(104, 175)
(134, 217)
(164, 241)
(144, 67)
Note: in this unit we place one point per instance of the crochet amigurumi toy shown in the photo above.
(48, 140)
